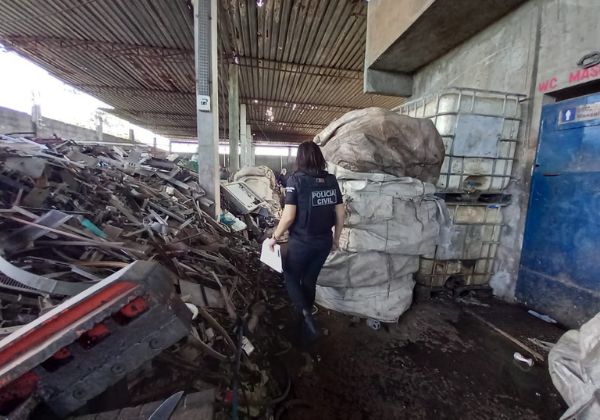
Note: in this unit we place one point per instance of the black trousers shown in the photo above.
(303, 263)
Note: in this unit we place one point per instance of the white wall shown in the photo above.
(12, 121)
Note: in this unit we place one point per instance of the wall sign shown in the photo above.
(572, 78)
(580, 113)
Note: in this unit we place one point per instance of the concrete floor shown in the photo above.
(438, 362)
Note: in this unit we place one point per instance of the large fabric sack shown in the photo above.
(384, 213)
(379, 140)
(353, 270)
(574, 365)
(370, 209)
(411, 236)
(262, 182)
(369, 202)
(383, 302)
(401, 188)
(263, 171)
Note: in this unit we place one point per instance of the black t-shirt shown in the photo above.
(315, 198)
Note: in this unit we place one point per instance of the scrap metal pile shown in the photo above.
(112, 273)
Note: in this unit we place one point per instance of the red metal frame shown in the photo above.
(62, 321)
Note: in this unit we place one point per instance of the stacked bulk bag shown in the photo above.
(390, 221)
(386, 165)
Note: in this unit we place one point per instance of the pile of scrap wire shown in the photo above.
(101, 243)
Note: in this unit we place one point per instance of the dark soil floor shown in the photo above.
(438, 362)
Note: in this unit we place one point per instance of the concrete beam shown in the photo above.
(406, 35)
(233, 89)
(206, 53)
(388, 83)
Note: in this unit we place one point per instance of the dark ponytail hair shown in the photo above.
(310, 159)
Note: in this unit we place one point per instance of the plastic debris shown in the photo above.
(519, 357)
(543, 317)
(373, 324)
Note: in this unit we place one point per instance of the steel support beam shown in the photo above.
(206, 53)
(297, 68)
(300, 106)
(151, 114)
(111, 49)
(119, 90)
(234, 118)
(288, 124)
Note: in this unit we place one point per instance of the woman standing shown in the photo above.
(313, 205)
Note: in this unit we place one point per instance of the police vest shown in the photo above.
(315, 211)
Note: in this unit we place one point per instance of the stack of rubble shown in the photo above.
(73, 215)
(391, 218)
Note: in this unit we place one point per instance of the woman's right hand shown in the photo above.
(336, 245)
(272, 242)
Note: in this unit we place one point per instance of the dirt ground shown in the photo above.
(438, 362)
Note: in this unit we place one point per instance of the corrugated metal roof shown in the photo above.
(302, 59)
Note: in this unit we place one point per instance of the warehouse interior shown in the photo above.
(135, 280)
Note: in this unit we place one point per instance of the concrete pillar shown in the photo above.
(131, 135)
(253, 155)
(245, 155)
(36, 119)
(170, 147)
(234, 118)
(154, 145)
(99, 127)
(207, 106)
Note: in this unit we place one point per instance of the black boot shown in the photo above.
(310, 325)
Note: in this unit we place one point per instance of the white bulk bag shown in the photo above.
(384, 302)
(346, 269)
(574, 365)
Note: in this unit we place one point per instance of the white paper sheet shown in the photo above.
(271, 258)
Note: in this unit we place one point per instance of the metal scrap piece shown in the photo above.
(22, 236)
(121, 207)
(41, 283)
(164, 411)
(29, 166)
